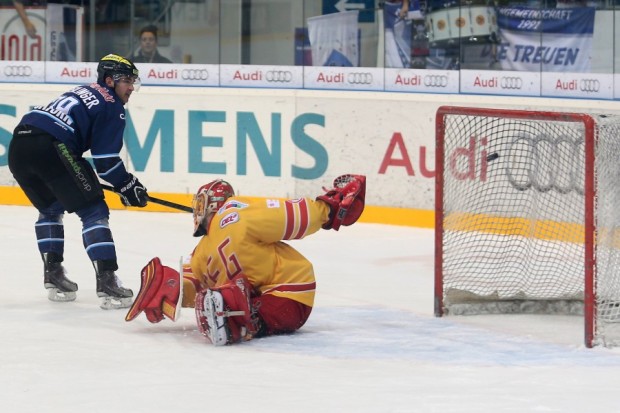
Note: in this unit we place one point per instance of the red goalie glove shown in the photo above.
(346, 200)
(160, 295)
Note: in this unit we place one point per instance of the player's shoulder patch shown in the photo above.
(228, 219)
(103, 92)
(273, 203)
(232, 204)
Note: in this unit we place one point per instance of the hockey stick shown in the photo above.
(157, 201)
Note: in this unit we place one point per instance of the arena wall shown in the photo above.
(280, 143)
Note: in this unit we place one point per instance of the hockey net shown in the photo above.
(528, 216)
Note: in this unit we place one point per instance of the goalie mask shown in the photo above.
(209, 198)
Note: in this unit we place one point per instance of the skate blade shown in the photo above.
(54, 294)
(179, 304)
(114, 303)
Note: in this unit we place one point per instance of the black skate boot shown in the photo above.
(109, 287)
(59, 287)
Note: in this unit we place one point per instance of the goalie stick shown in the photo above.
(157, 201)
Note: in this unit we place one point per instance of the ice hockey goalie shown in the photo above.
(243, 280)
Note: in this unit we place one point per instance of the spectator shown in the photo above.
(148, 52)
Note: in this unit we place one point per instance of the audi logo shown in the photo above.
(589, 85)
(359, 78)
(510, 82)
(194, 74)
(283, 76)
(436, 80)
(18, 71)
(544, 163)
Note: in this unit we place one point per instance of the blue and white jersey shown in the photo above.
(88, 117)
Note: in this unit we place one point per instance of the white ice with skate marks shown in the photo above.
(372, 343)
(380, 333)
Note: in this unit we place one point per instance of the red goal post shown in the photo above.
(527, 215)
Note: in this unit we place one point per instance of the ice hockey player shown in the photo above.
(46, 159)
(243, 280)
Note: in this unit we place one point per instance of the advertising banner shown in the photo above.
(20, 71)
(167, 74)
(22, 40)
(281, 142)
(504, 82)
(579, 85)
(343, 78)
(422, 81)
(273, 77)
(52, 33)
(70, 72)
(547, 40)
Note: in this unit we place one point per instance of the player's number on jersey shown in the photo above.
(64, 104)
(229, 260)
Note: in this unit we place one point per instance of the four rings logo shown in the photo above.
(18, 71)
(436, 80)
(283, 76)
(589, 85)
(194, 74)
(359, 78)
(543, 163)
(511, 82)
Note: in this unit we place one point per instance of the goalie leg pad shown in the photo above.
(160, 293)
(210, 317)
(280, 315)
(224, 313)
(346, 200)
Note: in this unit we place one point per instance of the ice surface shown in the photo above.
(371, 344)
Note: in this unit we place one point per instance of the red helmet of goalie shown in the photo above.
(209, 198)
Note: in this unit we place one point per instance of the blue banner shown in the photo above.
(548, 40)
(366, 8)
(568, 21)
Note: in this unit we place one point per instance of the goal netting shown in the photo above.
(528, 216)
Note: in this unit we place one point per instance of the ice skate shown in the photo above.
(109, 288)
(59, 287)
(113, 294)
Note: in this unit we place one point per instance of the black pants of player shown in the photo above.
(56, 180)
(47, 171)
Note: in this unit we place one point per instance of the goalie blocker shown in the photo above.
(230, 310)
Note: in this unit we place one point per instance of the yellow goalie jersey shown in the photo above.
(245, 236)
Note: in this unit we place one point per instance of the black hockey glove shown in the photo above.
(133, 193)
